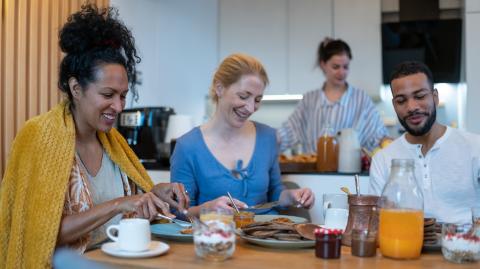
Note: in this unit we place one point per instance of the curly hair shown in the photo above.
(91, 38)
(408, 68)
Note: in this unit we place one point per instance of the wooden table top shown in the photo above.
(247, 256)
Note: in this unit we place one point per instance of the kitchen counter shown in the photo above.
(182, 255)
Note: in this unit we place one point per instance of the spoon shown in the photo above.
(357, 185)
(194, 218)
(345, 190)
(233, 203)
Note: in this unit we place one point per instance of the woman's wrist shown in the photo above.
(286, 198)
(118, 206)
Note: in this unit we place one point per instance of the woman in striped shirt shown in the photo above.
(337, 105)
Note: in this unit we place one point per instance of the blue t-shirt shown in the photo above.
(206, 179)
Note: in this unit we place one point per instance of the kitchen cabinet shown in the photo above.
(472, 6)
(309, 22)
(472, 58)
(257, 28)
(284, 35)
(358, 22)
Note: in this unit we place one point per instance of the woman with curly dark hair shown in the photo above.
(70, 174)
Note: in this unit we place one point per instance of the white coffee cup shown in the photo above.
(334, 200)
(336, 218)
(133, 234)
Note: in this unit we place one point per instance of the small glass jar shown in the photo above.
(460, 243)
(364, 243)
(327, 151)
(214, 236)
(328, 243)
(243, 218)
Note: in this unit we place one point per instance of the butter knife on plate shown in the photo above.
(265, 205)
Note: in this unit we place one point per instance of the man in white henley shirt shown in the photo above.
(446, 159)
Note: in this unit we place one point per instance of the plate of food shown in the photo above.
(275, 232)
(280, 218)
(172, 231)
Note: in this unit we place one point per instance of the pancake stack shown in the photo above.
(430, 231)
(279, 230)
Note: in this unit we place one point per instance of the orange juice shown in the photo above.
(400, 233)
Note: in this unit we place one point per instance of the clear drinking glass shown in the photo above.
(476, 216)
(213, 235)
(460, 244)
(364, 243)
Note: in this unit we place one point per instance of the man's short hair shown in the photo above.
(410, 68)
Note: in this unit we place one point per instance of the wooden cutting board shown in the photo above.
(296, 167)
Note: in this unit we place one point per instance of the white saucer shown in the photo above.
(155, 248)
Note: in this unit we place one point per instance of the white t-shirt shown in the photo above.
(448, 174)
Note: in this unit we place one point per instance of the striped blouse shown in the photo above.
(355, 110)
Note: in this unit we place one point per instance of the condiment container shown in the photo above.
(363, 214)
(328, 243)
(243, 218)
(364, 243)
(327, 151)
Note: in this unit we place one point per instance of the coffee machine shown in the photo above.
(145, 129)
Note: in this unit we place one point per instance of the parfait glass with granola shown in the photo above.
(213, 235)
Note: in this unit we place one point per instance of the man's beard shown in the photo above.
(423, 130)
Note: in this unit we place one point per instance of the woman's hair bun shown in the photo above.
(325, 41)
(92, 28)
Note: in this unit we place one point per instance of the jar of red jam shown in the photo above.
(328, 243)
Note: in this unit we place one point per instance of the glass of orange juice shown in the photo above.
(400, 233)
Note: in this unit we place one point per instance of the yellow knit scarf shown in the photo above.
(32, 192)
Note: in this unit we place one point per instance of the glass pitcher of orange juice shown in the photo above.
(400, 232)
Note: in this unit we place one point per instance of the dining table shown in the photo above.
(248, 256)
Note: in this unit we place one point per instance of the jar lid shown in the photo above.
(320, 231)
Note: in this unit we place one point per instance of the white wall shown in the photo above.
(472, 58)
(178, 44)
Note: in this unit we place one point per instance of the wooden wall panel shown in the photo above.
(2, 67)
(29, 59)
(21, 67)
(8, 83)
(33, 62)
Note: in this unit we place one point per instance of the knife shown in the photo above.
(265, 205)
(176, 221)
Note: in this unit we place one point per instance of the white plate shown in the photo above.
(155, 248)
(273, 243)
(270, 217)
(170, 231)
